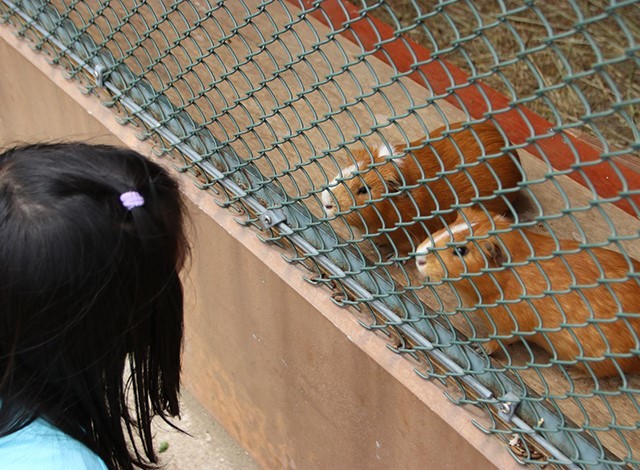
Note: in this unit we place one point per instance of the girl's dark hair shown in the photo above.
(86, 286)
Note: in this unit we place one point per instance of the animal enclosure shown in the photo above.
(463, 175)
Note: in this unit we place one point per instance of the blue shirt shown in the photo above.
(41, 446)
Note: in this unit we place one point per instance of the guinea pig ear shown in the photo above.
(494, 252)
(393, 183)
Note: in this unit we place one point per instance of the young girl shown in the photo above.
(91, 243)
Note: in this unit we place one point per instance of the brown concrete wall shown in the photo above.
(295, 379)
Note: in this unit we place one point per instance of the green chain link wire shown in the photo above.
(264, 105)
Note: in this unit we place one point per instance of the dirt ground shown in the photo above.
(206, 446)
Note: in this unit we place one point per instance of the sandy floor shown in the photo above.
(208, 446)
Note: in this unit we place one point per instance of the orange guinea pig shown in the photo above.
(380, 193)
(594, 312)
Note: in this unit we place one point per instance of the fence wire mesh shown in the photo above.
(463, 173)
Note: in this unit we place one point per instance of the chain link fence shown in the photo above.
(464, 174)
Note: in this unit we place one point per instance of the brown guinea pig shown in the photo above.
(594, 312)
(383, 194)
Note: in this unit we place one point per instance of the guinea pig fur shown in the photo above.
(585, 320)
(380, 192)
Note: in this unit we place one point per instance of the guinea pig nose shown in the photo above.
(421, 260)
(328, 206)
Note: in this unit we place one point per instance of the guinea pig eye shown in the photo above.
(363, 190)
(460, 250)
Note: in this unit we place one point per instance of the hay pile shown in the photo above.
(585, 75)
